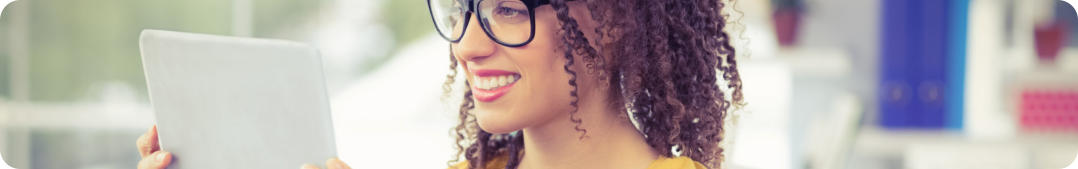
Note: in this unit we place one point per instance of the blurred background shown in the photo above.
(865, 84)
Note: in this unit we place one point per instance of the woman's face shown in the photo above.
(515, 87)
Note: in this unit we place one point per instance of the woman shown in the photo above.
(581, 84)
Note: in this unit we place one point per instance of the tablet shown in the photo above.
(229, 102)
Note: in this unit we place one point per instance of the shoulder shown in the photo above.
(460, 165)
(676, 163)
(661, 163)
(498, 162)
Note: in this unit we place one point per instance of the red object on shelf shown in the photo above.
(787, 21)
(1049, 110)
(1049, 39)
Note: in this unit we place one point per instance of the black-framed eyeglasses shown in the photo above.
(508, 22)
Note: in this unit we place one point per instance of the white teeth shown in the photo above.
(501, 81)
(493, 82)
(479, 83)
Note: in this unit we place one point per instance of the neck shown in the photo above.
(611, 142)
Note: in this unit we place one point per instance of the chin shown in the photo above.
(498, 122)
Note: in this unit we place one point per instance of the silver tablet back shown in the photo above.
(237, 103)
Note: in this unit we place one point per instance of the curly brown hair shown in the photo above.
(662, 65)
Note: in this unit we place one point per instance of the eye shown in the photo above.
(510, 12)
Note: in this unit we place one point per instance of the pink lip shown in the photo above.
(484, 95)
(490, 72)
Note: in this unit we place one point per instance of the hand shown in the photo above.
(152, 156)
(332, 163)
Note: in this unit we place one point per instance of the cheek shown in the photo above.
(541, 98)
(541, 95)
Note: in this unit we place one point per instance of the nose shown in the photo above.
(475, 45)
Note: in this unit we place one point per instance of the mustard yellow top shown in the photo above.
(661, 163)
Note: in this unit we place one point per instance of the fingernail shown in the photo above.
(161, 156)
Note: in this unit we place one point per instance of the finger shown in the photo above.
(157, 160)
(147, 143)
(308, 166)
(335, 163)
(143, 149)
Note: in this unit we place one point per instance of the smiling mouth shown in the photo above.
(495, 82)
(489, 85)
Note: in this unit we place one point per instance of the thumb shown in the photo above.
(335, 163)
(157, 160)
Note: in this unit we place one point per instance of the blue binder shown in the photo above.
(922, 63)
